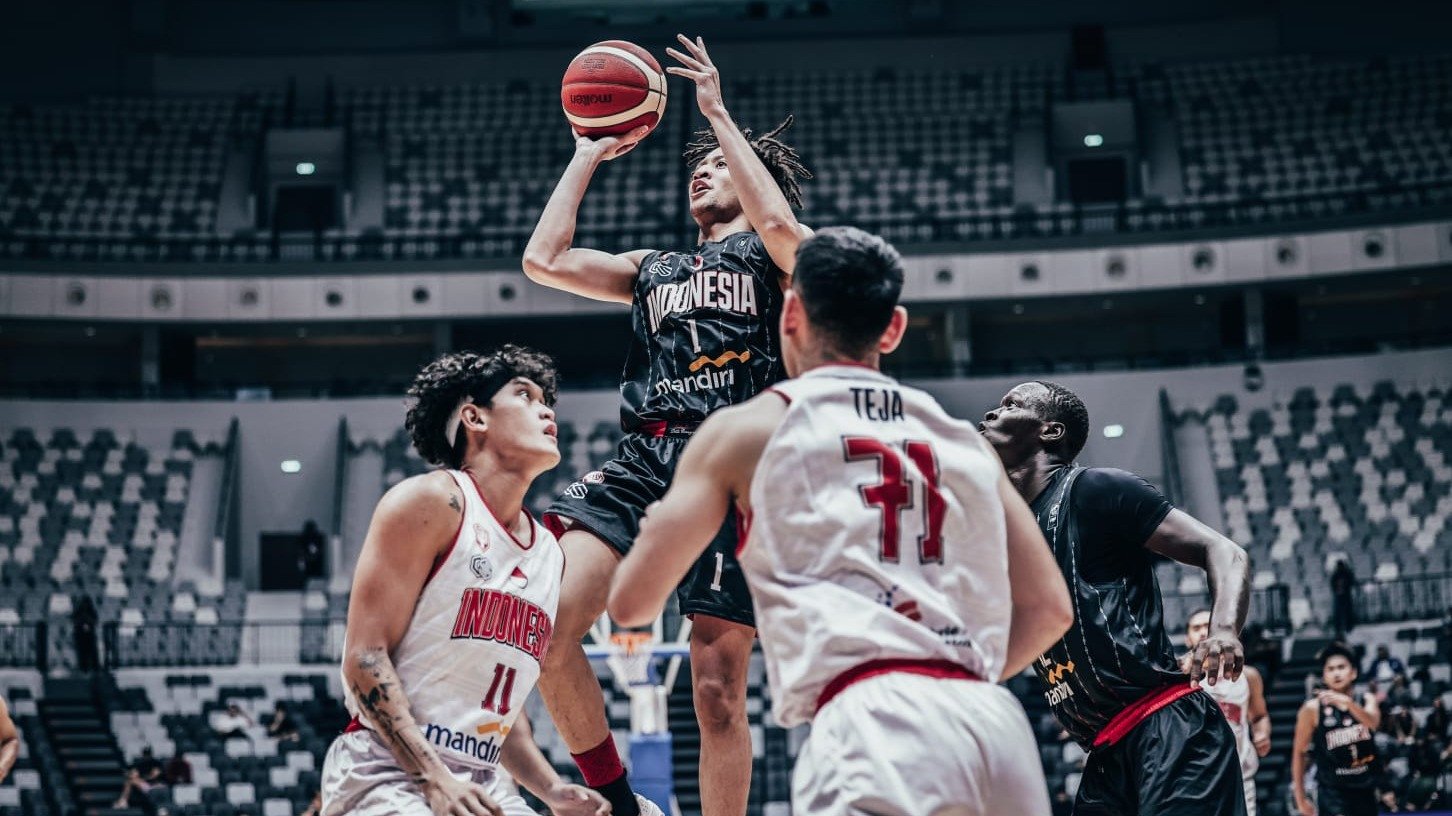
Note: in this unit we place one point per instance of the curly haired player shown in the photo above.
(705, 322)
(453, 606)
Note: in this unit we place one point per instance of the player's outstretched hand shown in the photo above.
(1218, 656)
(449, 796)
(575, 800)
(610, 147)
(698, 68)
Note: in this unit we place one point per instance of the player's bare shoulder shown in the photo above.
(421, 502)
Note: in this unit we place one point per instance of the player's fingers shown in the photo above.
(1197, 664)
(701, 51)
(1239, 667)
(686, 60)
(1212, 664)
(694, 76)
(690, 44)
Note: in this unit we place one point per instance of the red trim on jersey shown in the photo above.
(500, 522)
(940, 669)
(659, 428)
(1139, 711)
(440, 559)
(785, 397)
(355, 725)
(743, 529)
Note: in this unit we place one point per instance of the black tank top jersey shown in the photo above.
(1344, 749)
(1116, 651)
(706, 326)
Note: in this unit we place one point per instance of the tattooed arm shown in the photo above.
(413, 526)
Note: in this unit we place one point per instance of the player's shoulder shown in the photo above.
(435, 487)
(1103, 482)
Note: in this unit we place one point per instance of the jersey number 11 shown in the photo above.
(894, 494)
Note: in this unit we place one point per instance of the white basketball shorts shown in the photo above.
(899, 744)
(361, 777)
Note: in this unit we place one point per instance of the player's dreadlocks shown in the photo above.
(440, 387)
(780, 158)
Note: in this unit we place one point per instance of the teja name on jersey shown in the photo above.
(489, 614)
(711, 289)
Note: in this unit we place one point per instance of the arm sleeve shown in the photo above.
(1117, 512)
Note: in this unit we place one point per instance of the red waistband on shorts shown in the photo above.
(661, 428)
(940, 669)
(354, 725)
(1139, 711)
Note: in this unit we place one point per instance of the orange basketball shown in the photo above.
(613, 87)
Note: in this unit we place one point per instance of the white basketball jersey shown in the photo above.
(1234, 700)
(481, 626)
(876, 533)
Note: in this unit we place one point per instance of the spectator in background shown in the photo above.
(233, 722)
(282, 728)
(178, 771)
(143, 775)
(9, 741)
(310, 550)
(1386, 667)
(1343, 613)
(1399, 694)
(1435, 727)
(83, 631)
(1401, 726)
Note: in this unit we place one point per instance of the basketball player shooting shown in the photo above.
(453, 605)
(705, 336)
(1157, 745)
(896, 573)
(1243, 703)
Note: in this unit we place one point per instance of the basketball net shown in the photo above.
(632, 660)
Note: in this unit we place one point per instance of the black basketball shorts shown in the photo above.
(1180, 762)
(611, 501)
(1334, 801)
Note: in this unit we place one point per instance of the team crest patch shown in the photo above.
(594, 477)
(482, 568)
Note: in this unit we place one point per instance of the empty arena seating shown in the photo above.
(468, 167)
(117, 168)
(1354, 473)
(480, 161)
(251, 774)
(1275, 127)
(101, 517)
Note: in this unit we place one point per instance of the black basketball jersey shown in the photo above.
(706, 326)
(1116, 651)
(1344, 749)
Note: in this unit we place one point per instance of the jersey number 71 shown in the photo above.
(894, 493)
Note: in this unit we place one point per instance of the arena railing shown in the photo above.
(225, 643)
(25, 645)
(1139, 217)
(1416, 597)
(1270, 608)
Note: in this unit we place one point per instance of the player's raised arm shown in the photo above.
(766, 206)
(550, 258)
(414, 524)
(1191, 542)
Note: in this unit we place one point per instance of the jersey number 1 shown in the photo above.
(894, 494)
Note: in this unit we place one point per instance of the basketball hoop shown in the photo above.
(630, 657)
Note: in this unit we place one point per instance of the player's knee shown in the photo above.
(719, 705)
